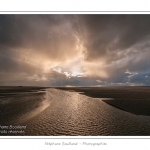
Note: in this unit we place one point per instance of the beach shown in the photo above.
(75, 111)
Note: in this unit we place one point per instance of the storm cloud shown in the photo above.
(74, 50)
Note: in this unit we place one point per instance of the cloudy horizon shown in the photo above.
(75, 50)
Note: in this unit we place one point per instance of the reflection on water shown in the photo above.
(70, 113)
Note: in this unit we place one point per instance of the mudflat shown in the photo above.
(72, 111)
(17, 103)
(135, 99)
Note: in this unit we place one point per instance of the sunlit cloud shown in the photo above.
(76, 73)
(67, 74)
(75, 50)
(57, 70)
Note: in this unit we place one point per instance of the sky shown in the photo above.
(74, 50)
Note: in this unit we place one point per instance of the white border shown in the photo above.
(37, 142)
(74, 5)
(75, 12)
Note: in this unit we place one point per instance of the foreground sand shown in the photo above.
(70, 113)
(73, 114)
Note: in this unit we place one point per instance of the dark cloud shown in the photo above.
(46, 50)
(105, 35)
(46, 35)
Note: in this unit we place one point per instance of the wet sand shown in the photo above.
(61, 112)
(18, 104)
(135, 100)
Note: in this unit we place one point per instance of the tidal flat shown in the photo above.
(85, 111)
(134, 99)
